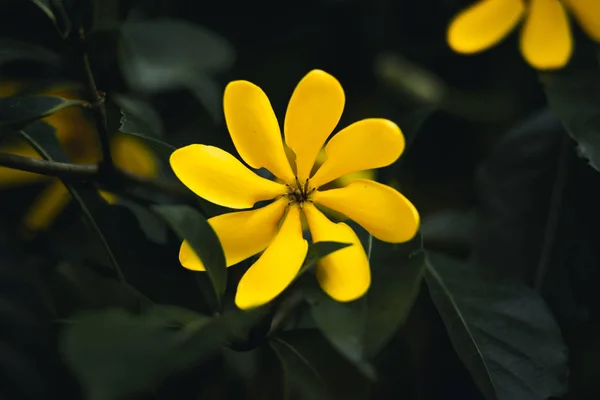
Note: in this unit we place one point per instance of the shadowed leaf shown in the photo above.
(501, 330)
(193, 227)
(17, 112)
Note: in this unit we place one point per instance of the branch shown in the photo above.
(93, 173)
(96, 104)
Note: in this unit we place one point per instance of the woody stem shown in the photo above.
(96, 105)
(76, 172)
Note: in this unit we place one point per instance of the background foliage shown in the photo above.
(495, 299)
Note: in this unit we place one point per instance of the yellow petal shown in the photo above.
(254, 129)
(220, 178)
(484, 25)
(313, 112)
(74, 127)
(11, 177)
(367, 144)
(345, 180)
(344, 275)
(587, 13)
(277, 266)
(46, 207)
(242, 234)
(546, 41)
(378, 208)
(132, 155)
(109, 197)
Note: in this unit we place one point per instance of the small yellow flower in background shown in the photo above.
(546, 41)
(77, 135)
(313, 113)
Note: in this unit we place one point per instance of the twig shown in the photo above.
(96, 105)
(556, 202)
(93, 173)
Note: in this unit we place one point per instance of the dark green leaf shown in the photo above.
(116, 354)
(42, 137)
(16, 51)
(319, 250)
(397, 273)
(154, 228)
(17, 112)
(574, 96)
(56, 11)
(501, 330)
(344, 325)
(450, 227)
(190, 225)
(313, 370)
(94, 291)
(167, 54)
(515, 185)
(138, 117)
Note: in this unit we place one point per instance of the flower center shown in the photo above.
(299, 193)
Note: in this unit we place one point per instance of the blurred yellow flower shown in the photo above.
(77, 136)
(313, 113)
(546, 41)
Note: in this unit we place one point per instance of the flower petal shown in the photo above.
(587, 13)
(378, 208)
(242, 234)
(277, 266)
(546, 41)
(254, 129)
(313, 112)
(220, 178)
(46, 207)
(132, 155)
(367, 144)
(344, 275)
(483, 25)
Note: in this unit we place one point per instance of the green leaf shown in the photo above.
(138, 117)
(319, 250)
(313, 370)
(17, 112)
(154, 228)
(43, 139)
(501, 330)
(452, 228)
(56, 11)
(17, 51)
(344, 325)
(574, 95)
(516, 185)
(396, 276)
(165, 54)
(94, 291)
(190, 225)
(116, 354)
(360, 329)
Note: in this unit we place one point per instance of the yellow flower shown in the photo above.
(546, 41)
(77, 136)
(313, 113)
